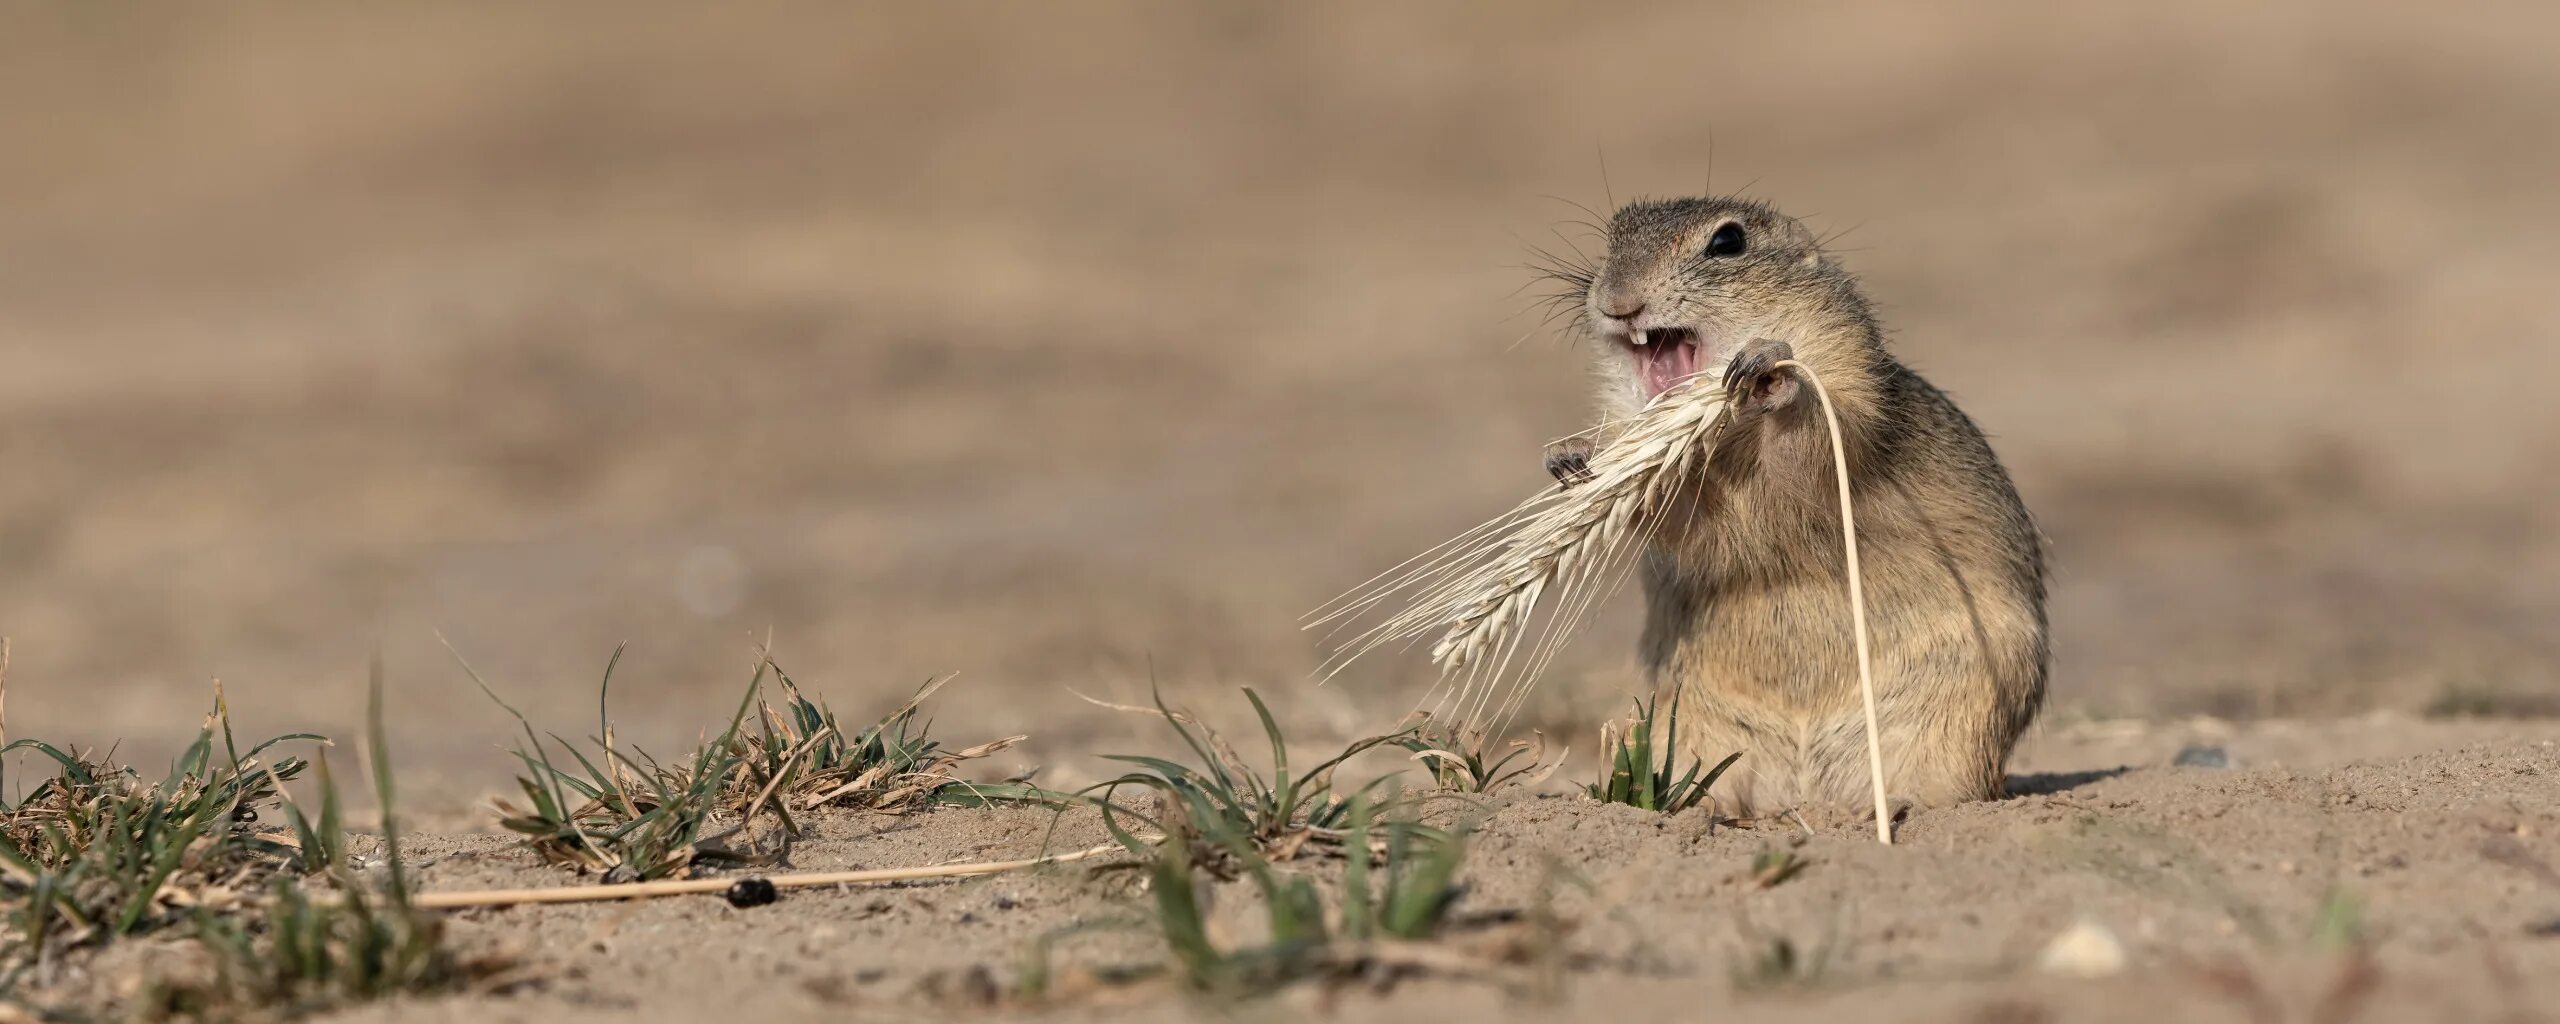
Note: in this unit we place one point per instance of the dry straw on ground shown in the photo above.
(1480, 591)
(793, 880)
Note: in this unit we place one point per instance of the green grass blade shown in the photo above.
(1283, 790)
(1708, 782)
(1358, 918)
(604, 690)
(1186, 932)
(72, 768)
(1421, 897)
(1217, 773)
(383, 792)
(262, 747)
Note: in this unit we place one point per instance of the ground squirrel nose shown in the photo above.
(1621, 309)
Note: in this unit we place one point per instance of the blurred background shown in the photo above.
(1068, 346)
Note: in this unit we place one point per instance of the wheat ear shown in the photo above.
(1857, 596)
(1479, 591)
(1554, 547)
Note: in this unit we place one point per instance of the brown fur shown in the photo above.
(1747, 616)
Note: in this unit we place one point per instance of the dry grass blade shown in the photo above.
(1479, 592)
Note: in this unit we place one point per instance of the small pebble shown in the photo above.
(751, 892)
(2201, 755)
(2084, 950)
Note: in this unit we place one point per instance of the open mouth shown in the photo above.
(1664, 357)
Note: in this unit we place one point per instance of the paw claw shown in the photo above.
(1570, 461)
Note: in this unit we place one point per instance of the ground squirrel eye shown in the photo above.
(1727, 241)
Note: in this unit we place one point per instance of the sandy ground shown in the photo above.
(2213, 881)
(1075, 347)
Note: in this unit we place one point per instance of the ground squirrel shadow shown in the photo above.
(2050, 783)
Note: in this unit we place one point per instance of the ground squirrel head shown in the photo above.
(1686, 283)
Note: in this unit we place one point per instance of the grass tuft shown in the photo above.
(1633, 777)
(624, 816)
(1458, 759)
(2339, 923)
(2471, 700)
(94, 853)
(359, 942)
(1276, 814)
(1778, 963)
(801, 757)
(1407, 895)
(1394, 914)
(629, 817)
(1394, 917)
(1775, 866)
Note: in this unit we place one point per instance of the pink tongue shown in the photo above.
(1665, 365)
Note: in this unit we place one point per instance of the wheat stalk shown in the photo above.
(1857, 595)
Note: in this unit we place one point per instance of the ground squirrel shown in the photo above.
(1746, 619)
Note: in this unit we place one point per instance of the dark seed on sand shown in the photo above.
(244, 814)
(751, 892)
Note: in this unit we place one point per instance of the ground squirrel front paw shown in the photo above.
(1569, 461)
(1752, 383)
